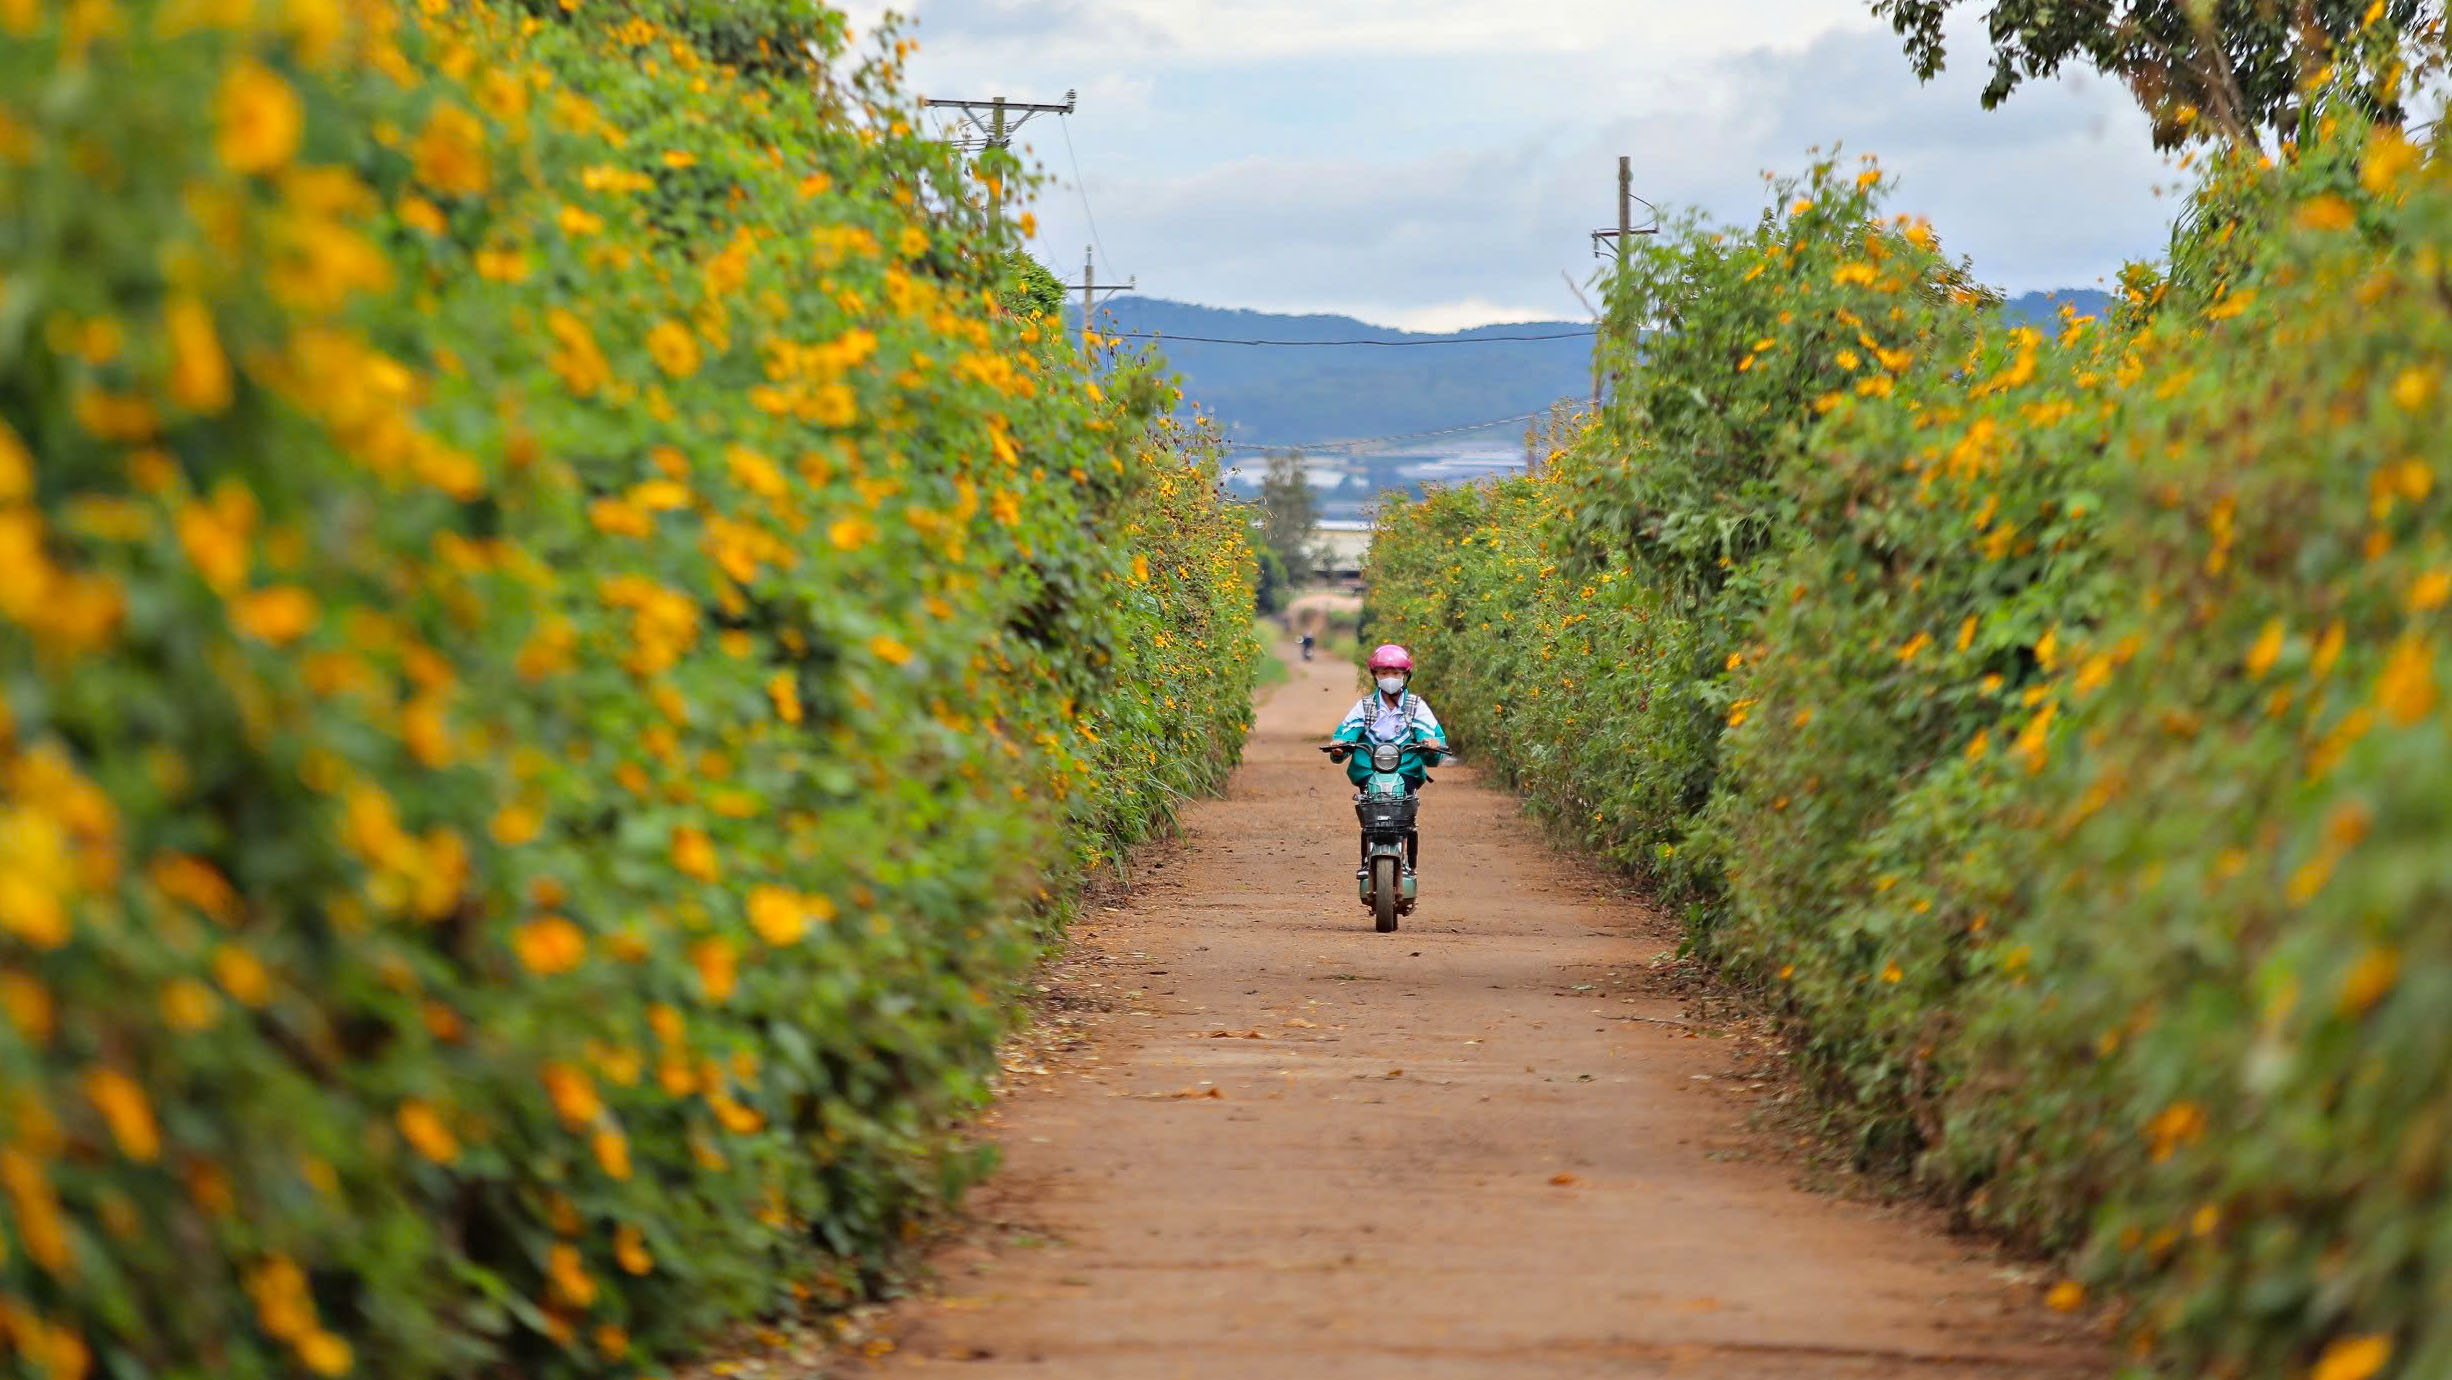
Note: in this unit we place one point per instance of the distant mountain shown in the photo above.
(2042, 308)
(1289, 395)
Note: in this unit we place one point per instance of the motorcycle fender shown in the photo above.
(1362, 884)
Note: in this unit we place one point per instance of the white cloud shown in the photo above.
(1243, 31)
(1439, 163)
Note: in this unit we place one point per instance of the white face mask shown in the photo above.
(1392, 684)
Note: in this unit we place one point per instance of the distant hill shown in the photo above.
(2044, 307)
(1289, 395)
(1294, 395)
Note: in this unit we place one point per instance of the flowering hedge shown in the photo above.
(556, 644)
(2047, 721)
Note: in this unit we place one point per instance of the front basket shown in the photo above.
(1381, 814)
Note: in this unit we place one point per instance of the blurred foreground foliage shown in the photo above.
(560, 646)
(2048, 722)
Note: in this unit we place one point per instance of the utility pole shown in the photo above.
(1624, 238)
(995, 119)
(1090, 288)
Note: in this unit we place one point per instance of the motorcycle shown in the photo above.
(1391, 841)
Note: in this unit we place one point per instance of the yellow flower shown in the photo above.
(2068, 1296)
(2327, 212)
(420, 214)
(2266, 650)
(2181, 1123)
(38, 1221)
(2353, 1358)
(694, 853)
(515, 824)
(279, 614)
(502, 264)
(125, 1109)
(783, 688)
(257, 118)
(2412, 388)
(718, 967)
(242, 975)
(620, 518)
(577, 223)
(573, 1096)
(449, 155)
(423, 1128)
(189, 1005)
(27, 1004)
(2406, 689)
(889, 650)
(2328, 648)
(568, 1276)
(581, 365)
(781, 917)
(2369, 979)
(214, 536)
(612, 1152)
(325, 1354)
(630, 1250)
(199, 371)
(550, 945)
(2431, 591)
(674, 349)
(2389, 155)
(40, 874)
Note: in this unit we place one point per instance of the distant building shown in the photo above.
(1341, 547)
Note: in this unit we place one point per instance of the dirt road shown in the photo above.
(1284, 1147)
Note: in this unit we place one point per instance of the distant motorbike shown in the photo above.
(1391, 841)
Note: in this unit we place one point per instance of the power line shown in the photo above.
(1459, 340)
(1065, 123)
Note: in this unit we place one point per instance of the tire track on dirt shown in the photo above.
(1293, 1149)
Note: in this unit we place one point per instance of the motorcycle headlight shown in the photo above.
(1387, 757)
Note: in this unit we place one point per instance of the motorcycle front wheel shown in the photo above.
(1384, 893)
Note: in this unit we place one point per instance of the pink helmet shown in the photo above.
(1390, 657)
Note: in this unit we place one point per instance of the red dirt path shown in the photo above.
(1473, 1148)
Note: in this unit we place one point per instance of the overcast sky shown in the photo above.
(1433, 164)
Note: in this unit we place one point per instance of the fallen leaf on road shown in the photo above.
(1193, 1092)
(1564, 1180)
(1236, 1035)
(1300, 1024)
(1396, 1073)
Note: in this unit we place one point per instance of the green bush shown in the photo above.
(557, 645)
(2070, 717)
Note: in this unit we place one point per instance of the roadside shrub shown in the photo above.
(557, 644)
(2080, 693)
(2221, 1016)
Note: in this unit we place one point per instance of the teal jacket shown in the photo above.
(1373, 719)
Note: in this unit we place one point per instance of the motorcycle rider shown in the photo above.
(1392, 713)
